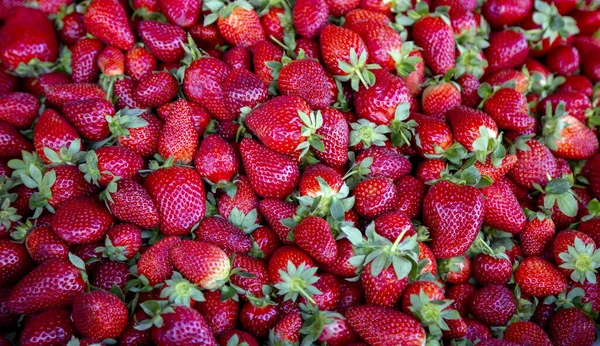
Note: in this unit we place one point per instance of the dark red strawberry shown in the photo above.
(109, 274)
(53, 326)
(493, 305)
(163, 40)
(538, 278)
(242, 88)
(12, 142)
(220, 315)
(571, 327)
(382, 326)
(61, 94)
(99, 315)
(107, 20)
(82, 220)
(122, 242)
(84, 60)
(15, 262)
(203, 84)
(154, 264)
(508, 49)
(19, 109)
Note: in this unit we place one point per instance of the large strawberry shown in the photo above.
(204, 264)
(453, 227)
(81, 220)
(99, 315)
(54, 283)
(203, 84)
(179, 196)
(502, 210)
(107, 20)
(308, 79)
(163, 40)
(154, 264)
(384, 326)
(538, 278)
(183, 13)
(53, 326)
(178, 138)
(379, 103)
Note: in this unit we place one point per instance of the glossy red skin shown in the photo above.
(82, 220)
(313, 235)
(336, 44)
(351, 294)
(493, 305)
(392, 224)
(329, 285)
(532, 165)
(489, 270)
(509, 110)
(538, 277)
(185, 326)
(241, 28)
(117, 162)
(430, 288)
(241, 335)
(111, 273)
(508, 49)
(220, 232)
(70, 183)
(385, 326)
(430, 169)
(155, 264)
(54, 283)
(382, 290)
(501, 13)
(20, 42)
(274, 211)
(61, 94)
(133, 204)
(444, 218)
(536, 234)
(43, 244)
(139, 62)
(179, 196)
(73, 28)
(375, 196)
(310, 17)
(242, 88)
(219, 315)
(12, 141)
(259, 320)
(203, 84)
(378, 103)
(51, 327)
(19, 109)
(380, 39)
(502, 209)
(202, 263)
(437, 39)
(308, 79)
(87, 252)
(216, 160)
(338, 333)
(461, 294)
(144, 141)
(15, 262)
(432, 132)
(99, 315)
(256, 267)
(163, 40)
(411, 192)
(571, 327)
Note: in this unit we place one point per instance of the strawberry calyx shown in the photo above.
(180, 291)
(265, 300)
(544, 85)
(328, 202)
(71, 155)
(552, 25)
(368, 133)
(114, 253)
(553, 124)
(298, 281)
(486, 91)
(234, 340)
(558, 191)
(450, 265)
(470, 61)
(222, 9)
(315, 321)
(357, 71)
(455, 154)
(21, 230)
(402, 129)
(422, 10)
(468, 175)
(90, 168)
(583, 259)
(569, 298)
(154, 309)
(61, 14)
(42, 182)
(79, 264)
(144, 14)
(405, 63)
(593, 209)
(432, 313)
(358, 171)
(310, 124)
(489, 143)
(245, 222)
(120, 123)
(519, 144)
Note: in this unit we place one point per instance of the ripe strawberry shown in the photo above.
(178, 138)
(493, 305)
(538, 231)
(41, 242)
(509, 110)
(84, 60)
(180, 325)
(177, 191)
(500, 13)
(492, 269)
(182, 13)
(163, 40)
(443, 227)
(375, 196)
(470, 126)
(576, 103)
(539, 278)
(379, 103)
(54, 132)
(218, 231)
(382, 42)
(220, 315)
(238, 58)
(21, 43)
(156, 89)
(469, 85)
(70, 26)
(287, 328)
(337, 332)
(384, 326)
(571, 327)
(284, 255)
(236, 335)
(271, 174)
(274, 211)
(204, 264)
(203, 84)
(263, 52)
(53, 283)
(306, 78)
(254, 266)
(19, 109)
(533, 165)
(154, 264)
(111, 62)
(139, 62)
(566, 136)
(411, 192)
(563, 60)
(439, 98)
(107, 20)
(99, 315)
(131, 203)
(502, 210)
(431, 132)
(12, 142)
(574, 253)
(310, 17)
(216, 160)
(577, 83)
(258, 317)
(109, 274)
(106, 163)
(430, 170)
(508, 49)
(81, 220)
(436, 37)
(272, 23)
(61, 94)
(123, 241)
(15, 262)
(239, 25)
(242, 88)
(313, 235)
(524, 331)
(89, 117)
(143, 140)
(53, 326)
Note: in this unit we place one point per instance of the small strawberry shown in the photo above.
(61, 94)
(375, 196)
(107, 20)
(571, 327)
(84, 60)
(287, 329)
(306, 78)
(538, 231)
(534, 162)
(218, 231)
(156, 89)
(252, 274)
(500, 13)
(220, 315)
(439, 98)
(313, 235)
(131, 203)
(178, 139)
(507, 49)
(139, 62)
(538, 278)
(123, 242)
(477, 132)
(12, 142)
(89, 117)
(283, 257)
(41, 242)
(238, 23)
(524, 331)
(508, 108)
(260, 315)
(274, 211)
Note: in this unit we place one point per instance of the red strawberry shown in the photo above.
(54, 283)
(502, 210)
(23, 43)
(139, 62)
(508, 49)
(81, 220)
(178, 138)
(12, 142)
(143, 140)
(122, 242)
(538, 231)
(263, 52)
(563, 60)
(177, 191)
(533, 165)
(183, 13)
(436, 37)
(308, 79)
(109, 162)
(111, 62)
(218, 231)
(203, 84)
(70, 26)
(155, 264)
(384, 44)
(379, 103)
(571, 327)
(509, 110)
(313, 235)
(539, 278)
(242, 88)
(411, 192)
(15, 262)
(439, 98)
(53, 326)
(334, 136)
(274, 211)
(238, 58)
(19, 109)
(574, 253)
(216, 160)
(492, 269)
(109, 274)
(131, 203)
(183, 325)
(89, 117)
(500, 13)
(163, 40)
(254, 266)
(443, 225)
(577, 83)
(99, 315)
(271, 174)
(107, 20)
(42, 243)
(287, 328)
(383, 326)
(204, 264)
(493, 305)
(470, 126)
(272, 24)
(54, 132)
(61, 94)
(220, 315)
(310, 17)
(524, 331)
(375, 196)
(239, 25)
(156, 89)
(239, 335)
(259, 317)
(430, 132)
(469, 85)
(284, 255)
(84, 60)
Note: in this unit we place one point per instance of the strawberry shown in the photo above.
(493, 268)
(432, 32)
(375, 196)
(139, 62)
(313, 235)
(177, 191)
(345, 55)
(500, 13)
(106, 163)
(594, 178)
(533, 165)
(61, 94)
(238, 58)
(575, 253)
(538, 278)
(272, 23)
(263, 52)
(84, 60)
(380, 102)
(507, 49)
(25, 48)
(242, 88)
(386, 162)
(502, 210)
(523, 331)
(218, 231)
(254, 266)
(391, 225)
(576, 103)
(156, 89)
(41, 242)
(571, 327)
(123, 241)
(284, 256)
(476, 131)
(538, 231)
(493, 305)
(12, 142)
(236, 336)
(334, 136)
(502, 76)
(383, 43)
(81, 220)
(111, 62)
(271, 174)
(110, 273)
(496, 173)
(89, 117)
(52, 131)
(566, 136)
(154, 264)
(203, 84)
(287, 328)
(563, 60)
(204, 264)
(15, 264)
(306, 78)
(244, 200)
(163, 40)
(107, 20)
(509, 109)
(469, 85)
(443, 226)
(220, 315)
(70, 26)
(310, 17)
(53, 326)
(578, 83)
(178, 138)
(182, 13)
(259, 316)
(216, 160)
(411, 192)
(274, 211)
(53, 283)
(131, 203)
(439, 98)
(384, 326)
(238, 24)
(130, 132)
(99, 315)
(431, 133)
(176, 325)
(430, 170)
(19, 109)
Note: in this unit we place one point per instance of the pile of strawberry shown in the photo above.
(324, 172)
